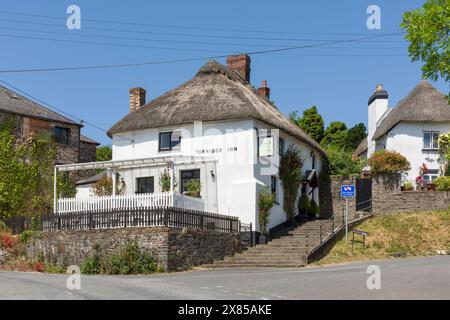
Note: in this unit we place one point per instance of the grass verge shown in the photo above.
(396, 235)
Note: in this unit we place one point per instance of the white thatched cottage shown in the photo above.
(215, 128)
(411, 128)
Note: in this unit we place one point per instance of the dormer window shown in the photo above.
(169, 141)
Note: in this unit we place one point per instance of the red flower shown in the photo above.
(7, 240)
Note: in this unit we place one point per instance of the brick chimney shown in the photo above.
(241, 64)
(264, 90)
(137, 98)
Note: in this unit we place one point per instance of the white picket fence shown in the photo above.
(147, 200)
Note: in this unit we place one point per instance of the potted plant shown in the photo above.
(193, 188)
(408, 186)
(303, 205)
(266, 201)
(314, 209)
(164, 181)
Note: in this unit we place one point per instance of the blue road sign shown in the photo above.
(348, 191)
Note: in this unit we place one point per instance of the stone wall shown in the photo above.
(25, 126)
(387, 197)
(174, 248)
(338, 202)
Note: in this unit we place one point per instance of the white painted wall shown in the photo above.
(234, 188)
(407, 139)
(84, 191)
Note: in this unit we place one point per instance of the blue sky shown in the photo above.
(338, 78)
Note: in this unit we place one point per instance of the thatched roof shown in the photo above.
(14, 103)
(361, 148)
(424, 103)
(214, 94)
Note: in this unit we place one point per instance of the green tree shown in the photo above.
(355, 135)
(427, 30)
(104, 153)
(341, 162)
(335, 135)
(311, 122)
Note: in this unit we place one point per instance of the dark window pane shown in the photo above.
(281, 146)
(427, 140)
(145, 185)
(165, 140)
(62, 135)
(273, 186)
(435, 140)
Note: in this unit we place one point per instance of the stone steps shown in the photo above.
(287, 249)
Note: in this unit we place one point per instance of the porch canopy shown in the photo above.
(114, 165)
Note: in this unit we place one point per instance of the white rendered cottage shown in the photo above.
(411, 128)
(215, 128)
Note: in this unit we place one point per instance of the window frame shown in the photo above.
(432, 140)
(58, 136)
(138, 179)
(173, 144)
(182, 180)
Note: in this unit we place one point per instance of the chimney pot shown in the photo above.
(241, 64)
(137, 98)
(264, 90)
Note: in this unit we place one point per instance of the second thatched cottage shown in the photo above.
(412, 128)
(216, 129)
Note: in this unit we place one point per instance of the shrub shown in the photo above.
(290, 172)
(303, 203)
(408, 186)
(164, 181)
(3, 227)
(193, 188)
(131, 260)
(27, 234)
(343, 163)
(92, 264)
(104, 187)
(6, 240)
(442, 183)
(314, 209)
(265, 203)
(388, 162)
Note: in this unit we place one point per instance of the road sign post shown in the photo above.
(347, 191)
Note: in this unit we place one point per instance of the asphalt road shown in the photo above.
(417, 278)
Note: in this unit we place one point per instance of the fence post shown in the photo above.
(166, 217)
(201, 221)
(90, 220)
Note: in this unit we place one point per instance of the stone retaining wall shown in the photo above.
(174, 248)
(387, 197)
